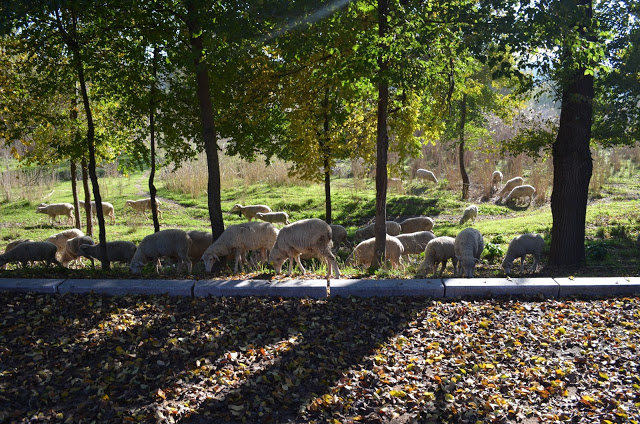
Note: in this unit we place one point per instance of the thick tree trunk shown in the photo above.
(208, 124)
(461, 147)
(382, 144)
(152, 174)
(87, 196)
(74, 190)
(572, 168)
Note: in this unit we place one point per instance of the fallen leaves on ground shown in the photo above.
(94, 358)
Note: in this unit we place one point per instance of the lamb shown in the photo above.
(426, 175)
(513, 182)
(60, 239)
(11, 245)
(519, 247)
(55, 209)
(521, 192)
(439, 250)
(249, 211)
(468, 247)
(141, 205)
(470, 213)
(418, 223)
(70, 252)
(415, 243)
(117, 251)
(393, 229)
(395, 183)
(273, 217)
(200, 241)
(31, 251)
(338, 234)
(496, 179)
(364, 252)
(309, 237)
(238, 239)
(168, 243)
(107, 209)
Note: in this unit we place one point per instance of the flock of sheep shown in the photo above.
(252, 242)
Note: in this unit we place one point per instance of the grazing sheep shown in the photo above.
(426, 175)
(470, 213)
(468, 247)
(393, 229)
(395, 183)
(55, 209)
(249, 211)
(338, 235)
(239, 239)
(273, 217)
(11, 245)
(117, 251)
(418, 223)
(521, 192)
(70, 252)
(415, 243)
(364, 252)
(519, 247)
(308, 237)
(439, 250)
(60, 239)
(496, 179)
(165, 243)
(107, 210)
(31, 251)
(509, 185)
(200, 242)
(141, 205)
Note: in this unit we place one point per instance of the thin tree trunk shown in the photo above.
(324, 148)
(152, 109)
(461, 147)
(382, 145)
(87, 196)
(74, 190)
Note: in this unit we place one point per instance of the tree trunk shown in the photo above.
(208, 124)
(152, 109)
(463, 171)
(87, 196)
(572, 168)
(382, 144)
(74, 191)
(324, 148)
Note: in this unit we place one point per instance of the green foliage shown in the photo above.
(493, 252)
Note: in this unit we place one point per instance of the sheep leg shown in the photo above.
(238, 259)
(522, 263)
(304, 271)
(536, 261)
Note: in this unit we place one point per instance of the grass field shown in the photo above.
(613, 216)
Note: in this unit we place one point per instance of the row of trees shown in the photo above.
(315, 82)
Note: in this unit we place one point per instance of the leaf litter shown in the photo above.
(95, 358)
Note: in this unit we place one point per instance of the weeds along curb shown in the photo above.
(455, 288)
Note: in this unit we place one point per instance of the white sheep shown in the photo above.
(249, 211)
(11, 245)
(364, 252)
(166, 243)
(200, 242)
(117, 251)
(55, 209)
(415, 243)
(395, 183)
(393, 229)
(470, 213)
(60, 239)
(519, 247)
(239, 239)
(509, 185)
(70, 252)
(521, 192)
(418, 223)
(496, 179)
(29, 252)
(107, 210)
(309, 237)
(273, 217)
(141, 205)
(338, 235)
(468, 247)
(438, 251)
(426, 175)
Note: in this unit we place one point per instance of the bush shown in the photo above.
(493, 252)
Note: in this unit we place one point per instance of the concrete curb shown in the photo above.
(317, 289)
